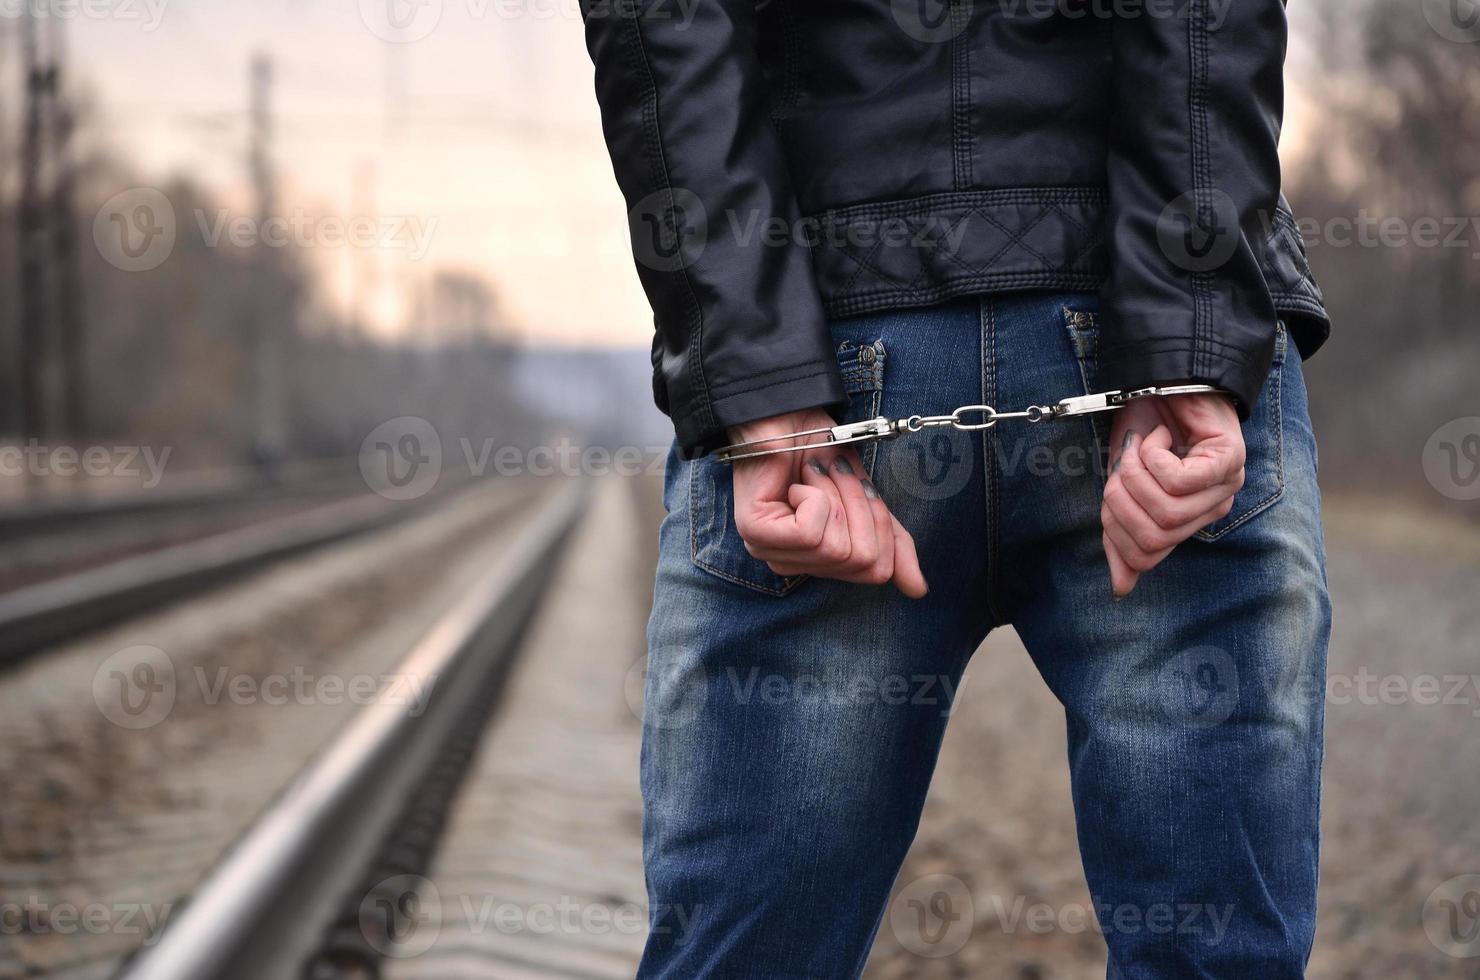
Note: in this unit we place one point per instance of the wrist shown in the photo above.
(779, 425)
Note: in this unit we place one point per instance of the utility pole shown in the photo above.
(67, 277)
(7, 154)
(264, 326)
(31, 240)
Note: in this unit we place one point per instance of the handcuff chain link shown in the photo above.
(870, 430)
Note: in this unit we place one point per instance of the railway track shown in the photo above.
(501, 843)
(265, 909)
(125, 814)
(219, 490)
(506, 781)
(105, 561)
(537, 870)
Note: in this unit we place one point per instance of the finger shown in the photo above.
(1155, 518)
(1208, 464)
(859, 511)
(1141, 555)
(883, 568)
(829, 547)
(1117, 452)
(785, 564)
(834, 572)
(1140, 549)
(1122, 576)
(797, 523)
(1200, 417)
(836, 546)
(908, 576)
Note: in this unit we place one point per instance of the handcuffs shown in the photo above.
(871, 430)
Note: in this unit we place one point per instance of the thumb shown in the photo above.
(812, 506)
(1159, 441)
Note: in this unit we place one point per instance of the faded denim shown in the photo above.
(792, 724)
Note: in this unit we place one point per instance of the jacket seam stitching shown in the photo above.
(772, 384)
(1202, 282)
(1002, 279)
(1115, 356)
(1171, 344)
(964, 199)
(726, 386)
(658, 165)
(791, 37)
(961, 94)
(863, 263)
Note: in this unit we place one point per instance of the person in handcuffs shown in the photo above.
(1094, 199)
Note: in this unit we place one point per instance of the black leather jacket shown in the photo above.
(803, 159)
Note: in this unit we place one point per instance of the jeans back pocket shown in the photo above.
(1264, 449)
(714, 543)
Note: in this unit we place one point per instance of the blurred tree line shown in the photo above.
(169, 353)
(1392, 150)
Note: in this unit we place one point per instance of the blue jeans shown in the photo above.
(792, 724)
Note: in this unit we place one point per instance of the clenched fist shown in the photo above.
(1176, 463)
(817, 513)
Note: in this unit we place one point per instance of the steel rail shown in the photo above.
(35, 616)
(231, 488)
(263, 910)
